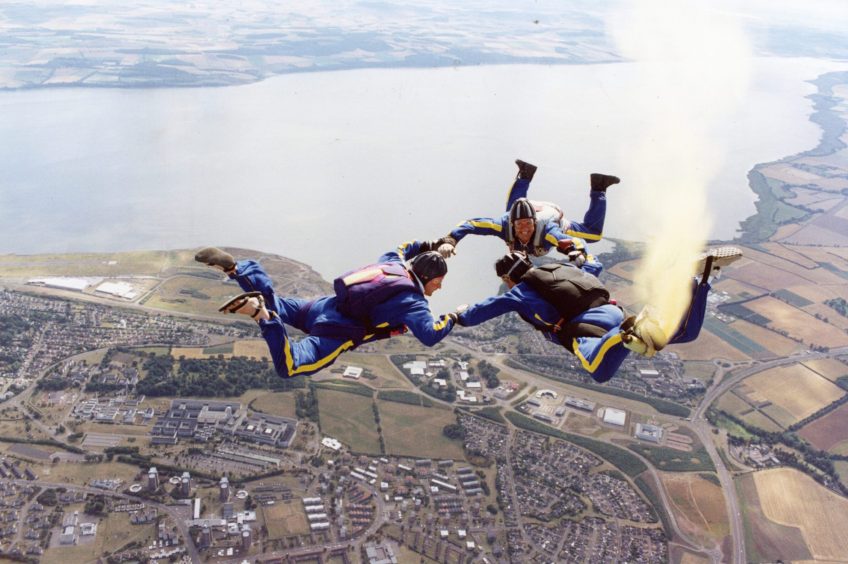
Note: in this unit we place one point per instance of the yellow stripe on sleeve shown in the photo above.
(439, 325)
(486, 225)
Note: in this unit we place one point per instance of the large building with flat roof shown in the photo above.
(652, 433)
(614, 416)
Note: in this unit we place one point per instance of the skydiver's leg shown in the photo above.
(690, 325)
(301, 358)
(601, 356)
(592, 227)
(521, 184)
(518, 190)
(252, 278)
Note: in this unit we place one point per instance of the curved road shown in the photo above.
(704, 431)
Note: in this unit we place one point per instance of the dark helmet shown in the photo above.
(514, 265)
(428, 266)
(521, 209)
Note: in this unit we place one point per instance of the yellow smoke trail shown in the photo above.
(694, 65)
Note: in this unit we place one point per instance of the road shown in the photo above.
(704, 431)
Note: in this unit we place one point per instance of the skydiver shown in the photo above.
(586, 323)
(535, 227)
(383, 300)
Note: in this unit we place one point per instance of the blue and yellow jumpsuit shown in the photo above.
(592, 227)
(590, 230)
(329, 333)
(599, 356)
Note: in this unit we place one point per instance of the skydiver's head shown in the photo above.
(511, 267)
(522, 215)
(430, 268)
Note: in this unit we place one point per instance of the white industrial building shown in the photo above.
(63, 282)
(614, 416)
(652, 433)
(123, 290)
(353, 372)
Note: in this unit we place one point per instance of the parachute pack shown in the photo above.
(360, 290)
(570, 290)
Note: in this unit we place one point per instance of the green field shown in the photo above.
(791, 298)
(733, 404)
(350, 419)
(780, 415)
(733, 428)
(757, 419)
(225, 348)
(417, 431)
(385, 373)
(733, 337)
(94, 264)
(403, 396)
(672, 460)
(280, 404)
(191, 293)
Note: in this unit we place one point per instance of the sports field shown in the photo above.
(350, 419)
(792, 498)
(280, 404)
(698, 505)
(80, 474)
(284, 519)
(417, 431)
(795, 389)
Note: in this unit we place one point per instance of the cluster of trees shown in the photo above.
(489, 373)
(14, 331)
(810, 456)
(306, 405)
(52, 384)
(95, 505)
(454, 431)
(839, 304)
(211, 377)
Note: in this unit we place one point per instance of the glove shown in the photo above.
(565, 246)
(453, 316)
(460, 309)
(446, 250)
(577, 258)
(446, 246)
(399, 331)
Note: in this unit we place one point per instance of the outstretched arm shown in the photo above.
(489, 309)
(479, 226)
(406, 251)
(427, 329)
